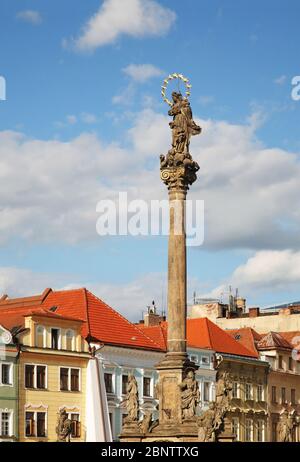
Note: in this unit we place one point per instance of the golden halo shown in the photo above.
(174, 76)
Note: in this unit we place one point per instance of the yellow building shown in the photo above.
(53, 360)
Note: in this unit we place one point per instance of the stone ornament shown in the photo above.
(64, 427)
(211, 421)
(190, 396)
(287, 422)
(131, 400)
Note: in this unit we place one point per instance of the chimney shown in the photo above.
(152, 318)
(253, 312)
(241, 304)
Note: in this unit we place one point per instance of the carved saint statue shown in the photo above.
(183, 125)
(286, 427)
(223, 388)
(209, 423)
(183, 128)
(64, 427)
(132, 400)
(190, 395)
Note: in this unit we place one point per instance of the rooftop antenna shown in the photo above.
(194, 297)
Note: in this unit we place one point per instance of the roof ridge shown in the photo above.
(208, 332)
(123, 318)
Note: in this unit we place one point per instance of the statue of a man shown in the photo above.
(286, 427)
(64, 427)
(190, 395)
(132, 400)
(208, 424)
(223, 388)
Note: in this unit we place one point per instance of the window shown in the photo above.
(76, 425)
(40, 336)
(6, 374)
(235, 390)
(260, 431)
(5, 423)
(274, 397)
(260, 393)
(124, 384)
(248, 391)
(70, 340)
(55, 339)
(108, 378)
(64, 379)
(236, 428)
(293, 396)
(206, 387)
(146, 386)
(74, 379)
(111, 421)
(35, 424)
(35, 376)
(69, 379)
(248, 430)
(29, 376)
(291, 364)
(205, 360)
(194, 358)
(41, 377)
(280, 362)
(283, 395)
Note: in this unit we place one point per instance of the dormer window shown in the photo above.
(70, 340)
(40, 336)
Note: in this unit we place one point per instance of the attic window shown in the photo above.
(133, 338)
(53, 309)
(238, 337)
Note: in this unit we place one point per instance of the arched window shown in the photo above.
(40, 336)
(70, 340)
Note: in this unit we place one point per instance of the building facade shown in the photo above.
(9, 389)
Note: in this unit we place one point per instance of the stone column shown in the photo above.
(177, 275)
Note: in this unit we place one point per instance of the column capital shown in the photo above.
(179, 178)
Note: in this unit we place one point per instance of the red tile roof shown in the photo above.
(203, 334)
(273, 340)
(101, 322)
(246, 336)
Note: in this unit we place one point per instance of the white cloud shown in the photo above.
(266, 270)
(142, 72)
(30, 16)
(135, 18)
(88, 118)
(71, 119)
(130, 298)
(246, 186)
(280, 80)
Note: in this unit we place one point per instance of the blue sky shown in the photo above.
(75, 128)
